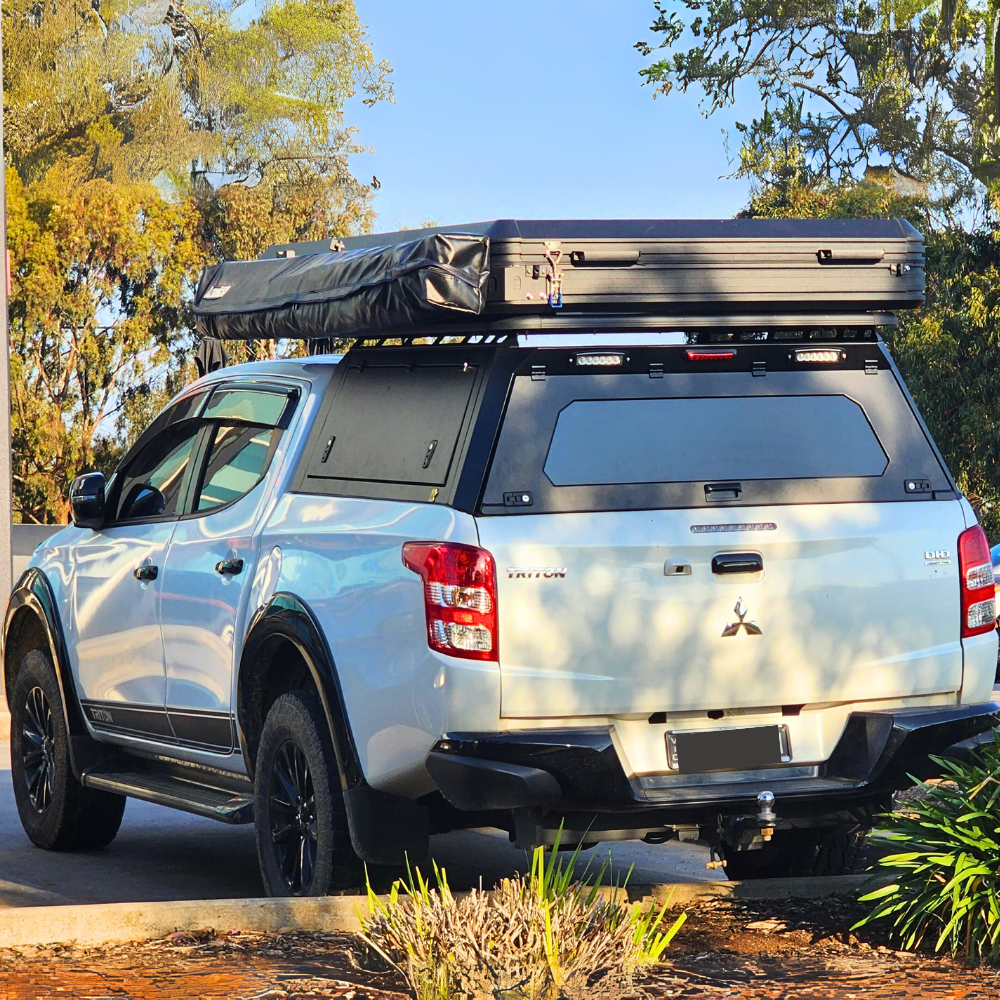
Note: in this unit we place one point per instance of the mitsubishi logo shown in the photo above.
(733, 628)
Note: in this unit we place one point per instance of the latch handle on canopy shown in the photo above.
(554, 277)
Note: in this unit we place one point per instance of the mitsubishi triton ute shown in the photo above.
(629, 528)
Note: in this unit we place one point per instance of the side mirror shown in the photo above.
(142, 500)
(86, 500)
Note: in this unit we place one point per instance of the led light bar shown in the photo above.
(597, 359)
(819, 355)
(711, 354)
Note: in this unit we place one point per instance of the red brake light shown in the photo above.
(711, 354)
(975, 568)
(460, 597)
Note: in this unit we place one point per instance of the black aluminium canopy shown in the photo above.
(407, 281)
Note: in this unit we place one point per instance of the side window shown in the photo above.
(151, 484)
(237, 461)
(244, 425)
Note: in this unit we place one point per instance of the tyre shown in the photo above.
(56, 811)
(803, 853)
(303, 841)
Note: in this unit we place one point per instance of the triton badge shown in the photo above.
(536, 573)
(752, 628)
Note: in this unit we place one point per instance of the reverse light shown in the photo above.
(975, 569)
(711, 354)
(593, 359)
(822, 356)
(460, 597)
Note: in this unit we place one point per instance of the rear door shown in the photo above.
(715, 539)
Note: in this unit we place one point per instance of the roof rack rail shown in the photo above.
(858, 333)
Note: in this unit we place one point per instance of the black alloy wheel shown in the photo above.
(56, 811)
(38, 762)
(293, 818)
(300, 816)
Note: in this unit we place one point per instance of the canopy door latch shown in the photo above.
(553, 277)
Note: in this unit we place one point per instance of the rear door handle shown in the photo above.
(737, 562)
(145, 573)
(229, 566)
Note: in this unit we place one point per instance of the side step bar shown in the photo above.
(223, 804)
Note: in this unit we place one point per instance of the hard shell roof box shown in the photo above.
(509, 269)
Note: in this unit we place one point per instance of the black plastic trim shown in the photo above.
(32, 594)
(211, 731)
(583, 762)
(877, 753)
(290, 618)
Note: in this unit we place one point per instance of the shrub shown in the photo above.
(540, 937)
(947, 878)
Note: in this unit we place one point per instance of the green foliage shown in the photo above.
(949, 355)
(841, 85)
(546, 936)
(948, 351)
(99, 277)
(143, 142)
(947, 875)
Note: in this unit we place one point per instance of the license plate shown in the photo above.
(726, 749)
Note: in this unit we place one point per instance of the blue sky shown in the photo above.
(534, 110)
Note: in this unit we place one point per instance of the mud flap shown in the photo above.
(386, 829)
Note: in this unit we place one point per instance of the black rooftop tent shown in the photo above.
(526, 274)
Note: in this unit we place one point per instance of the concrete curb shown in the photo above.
(22, 927)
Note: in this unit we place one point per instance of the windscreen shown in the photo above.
(627, 441)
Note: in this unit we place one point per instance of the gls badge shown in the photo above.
(937, 557)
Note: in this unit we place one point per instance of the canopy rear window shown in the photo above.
(618, 441)
(629, 441)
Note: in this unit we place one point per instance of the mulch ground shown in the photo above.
(787, 949)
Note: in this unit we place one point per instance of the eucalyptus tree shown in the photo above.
(841, 85)
(145, 139)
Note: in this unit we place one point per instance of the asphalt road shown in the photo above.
(164, 854)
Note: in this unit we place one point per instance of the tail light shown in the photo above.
(460, 597)
(978, 592)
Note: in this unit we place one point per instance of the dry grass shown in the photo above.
(541, 937)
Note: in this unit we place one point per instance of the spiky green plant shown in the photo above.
(543, 936)
(947, 875)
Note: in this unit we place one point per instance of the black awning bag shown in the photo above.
(345, 293)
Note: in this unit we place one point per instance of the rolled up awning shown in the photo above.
(345, 293)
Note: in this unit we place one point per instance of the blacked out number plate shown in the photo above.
(727, 749)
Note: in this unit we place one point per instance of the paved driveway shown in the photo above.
(164, 854)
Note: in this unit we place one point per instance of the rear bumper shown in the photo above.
(579, 770)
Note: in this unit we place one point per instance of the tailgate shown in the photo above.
(640, 611)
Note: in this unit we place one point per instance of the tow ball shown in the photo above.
(766, 816)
